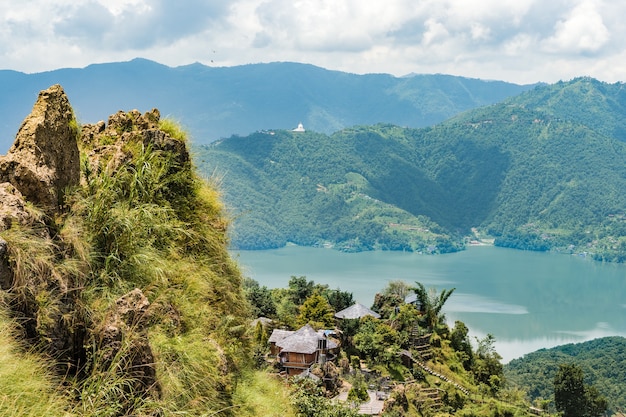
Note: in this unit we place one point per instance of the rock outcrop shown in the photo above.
(44, 159)
(108, 141)
(129, 316)
(39, 169)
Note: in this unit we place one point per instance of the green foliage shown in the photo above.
(317, 312)
(308, 399)
(260, 298)
(358, 391)
(603, 362)
(377, 341)
(553, 179)
(487, 367)
(431, 305)
(260, 393)
(459, 341)
(173, 128)
(572, 397)
(27, 387)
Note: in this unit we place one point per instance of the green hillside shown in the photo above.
(603, 362)
(532, 178)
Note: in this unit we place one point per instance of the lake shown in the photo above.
(527, 300)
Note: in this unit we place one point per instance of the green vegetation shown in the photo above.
(572, 397)
(528, 173)
(27, 388)
(142, 223)
(423, 369)
(601, 361)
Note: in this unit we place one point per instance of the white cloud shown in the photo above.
(515, 40)
(582, 31)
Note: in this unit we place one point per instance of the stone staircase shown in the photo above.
(441, 376)
(421, 345)
(429, 398)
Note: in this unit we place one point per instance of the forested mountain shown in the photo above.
(215, 102)
(526, 171)
(603, 362)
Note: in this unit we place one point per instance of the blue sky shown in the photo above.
(521, 41)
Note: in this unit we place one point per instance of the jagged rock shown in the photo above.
(109, 140)
(125, 329)
(44, 159)
(13, 207)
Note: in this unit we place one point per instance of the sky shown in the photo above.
(520, 41)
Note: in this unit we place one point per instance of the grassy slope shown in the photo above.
(27, 388)
(149, 223)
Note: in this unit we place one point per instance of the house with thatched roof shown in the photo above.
(356, 311)
(298, 351)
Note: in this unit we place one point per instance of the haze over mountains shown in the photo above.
(218, 102)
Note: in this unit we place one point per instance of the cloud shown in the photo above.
(516, 40)
(581, 31)
(136, 24)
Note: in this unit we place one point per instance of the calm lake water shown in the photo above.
(527, 300)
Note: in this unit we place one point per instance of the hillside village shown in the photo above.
(401, 359)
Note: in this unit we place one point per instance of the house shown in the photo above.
(356, 311)
(412, 299)
(298, 351)
(276, 336)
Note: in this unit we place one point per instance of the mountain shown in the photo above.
(603, 362)
(526, 171)
(216, 102)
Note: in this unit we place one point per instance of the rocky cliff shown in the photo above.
(113, 263)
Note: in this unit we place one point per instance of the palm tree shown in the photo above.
(431, 304)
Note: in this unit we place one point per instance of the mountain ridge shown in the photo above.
(530, 177)
(216, 102)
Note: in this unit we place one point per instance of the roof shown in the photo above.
(278, 335)
(356, 311)
(303, 340)
(411, 299)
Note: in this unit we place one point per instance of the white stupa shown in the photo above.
(300, 128)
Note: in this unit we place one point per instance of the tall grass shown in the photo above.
(148, 222)
(262, 394)
(27, 387)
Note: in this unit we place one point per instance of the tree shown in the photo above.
(431, 305)
(300, 289)
(260, 298)
(398, 288)
(378, 342)
(573, 397)
(487, 367)
(317, 312)
(460, 342)
(339, 299)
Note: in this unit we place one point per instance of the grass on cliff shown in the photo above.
(26, 386)
(150, 223)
